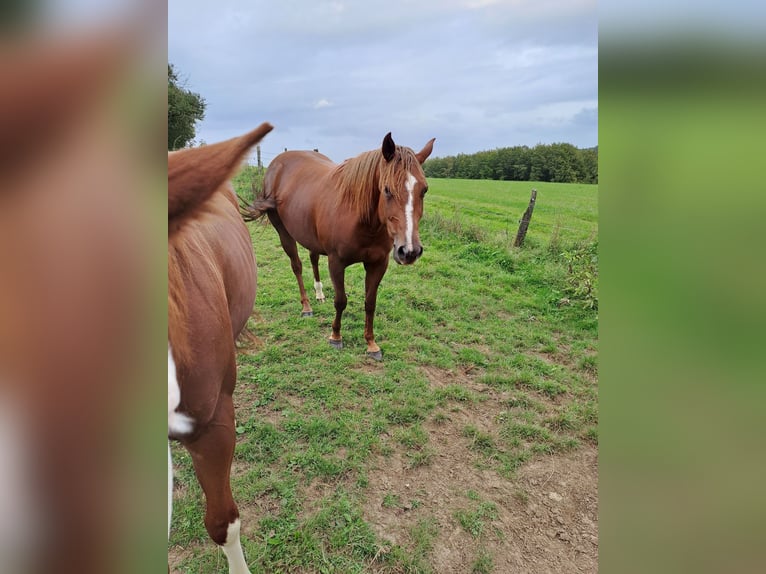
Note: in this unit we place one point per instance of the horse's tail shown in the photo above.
(257, 209)
(263, 201)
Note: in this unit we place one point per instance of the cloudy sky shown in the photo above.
(337, 75)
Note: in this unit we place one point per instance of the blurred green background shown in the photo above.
(683, 274)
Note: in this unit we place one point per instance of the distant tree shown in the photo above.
(185, 109)
(590, 165)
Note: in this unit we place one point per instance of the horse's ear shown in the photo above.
(196, 173)
(423, 154)
(389, 147)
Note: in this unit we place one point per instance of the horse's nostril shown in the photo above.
(401, 251)
(420, 251)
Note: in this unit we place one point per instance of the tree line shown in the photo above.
(558, 162)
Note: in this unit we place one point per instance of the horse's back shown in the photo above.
(292, 169)
(297, 185)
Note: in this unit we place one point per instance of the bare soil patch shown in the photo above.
(547, 513)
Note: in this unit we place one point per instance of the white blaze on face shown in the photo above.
(410, 185)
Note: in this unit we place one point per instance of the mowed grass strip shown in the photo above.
(311, 419)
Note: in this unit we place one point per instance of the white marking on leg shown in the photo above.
(178, 423)
(410, 185)
(318, 290)
(233, 550)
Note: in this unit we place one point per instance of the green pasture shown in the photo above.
(473, 320)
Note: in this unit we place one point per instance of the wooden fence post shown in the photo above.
(524, 224)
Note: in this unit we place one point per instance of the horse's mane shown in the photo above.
(355, 179)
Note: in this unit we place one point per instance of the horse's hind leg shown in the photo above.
(291, 248)
(212, 453)
(317, 283)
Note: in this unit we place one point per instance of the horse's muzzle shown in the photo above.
(403, 256)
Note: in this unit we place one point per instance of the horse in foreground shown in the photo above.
(355, 212)
(211, 291)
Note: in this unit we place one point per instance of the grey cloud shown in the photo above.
(473, 78)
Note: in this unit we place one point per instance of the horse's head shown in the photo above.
(402, 189)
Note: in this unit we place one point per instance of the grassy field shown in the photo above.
(431, 460)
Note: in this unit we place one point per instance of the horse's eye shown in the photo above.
(388, 192)
(423, 193)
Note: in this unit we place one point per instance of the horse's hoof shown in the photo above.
(307, 314)
(377, 355)
(336, 344)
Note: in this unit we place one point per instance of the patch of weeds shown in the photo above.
(424, 533)
(521, 400)
(554, 243)
(455, 393)
(341, 528)
(390, 501)
(582, 274)
(421, 457)
(556, 445)
(592, 435)
(521, 496)
(414, 558)
(529, 432)
(264, 442)
(469, 356)
(496, 380)
(408, 411)
(455, 226)
(362, 481)
(511, 462)
(440, 418)
(588, 363)
(413, 437)
(544, 386)
(386, 450)
(496, 255)
(480, 441)
(483, 563)
(564, 421)
(312, 462)
(475, 521)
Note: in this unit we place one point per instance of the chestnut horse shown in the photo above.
(354, 212)
(211, 291)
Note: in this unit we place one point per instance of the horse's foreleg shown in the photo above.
(291, 248)
(373, 274)
(338, 277)
(212, 453)
(317, 283)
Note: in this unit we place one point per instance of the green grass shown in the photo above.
(310, 415)
(476, 520)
